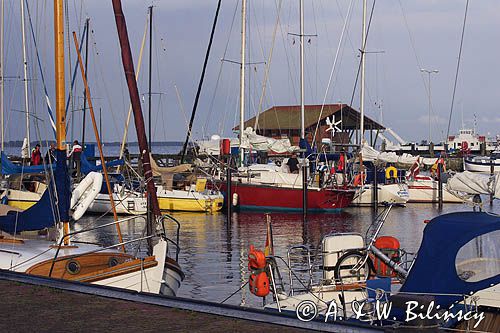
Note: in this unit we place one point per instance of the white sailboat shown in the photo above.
(58, 254)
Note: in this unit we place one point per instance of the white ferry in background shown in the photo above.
(467, 140)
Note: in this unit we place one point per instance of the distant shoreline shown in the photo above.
(130, 144)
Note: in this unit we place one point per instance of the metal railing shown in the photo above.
(177, 234)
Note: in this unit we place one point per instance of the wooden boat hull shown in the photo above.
(81, 262)
(266, 197)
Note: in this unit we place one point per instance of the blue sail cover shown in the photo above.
(435, 270)
(45, 212)
(9, 168)
(87, 167)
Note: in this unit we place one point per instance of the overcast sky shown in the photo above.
(411, 35)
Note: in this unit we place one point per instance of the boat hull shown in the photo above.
(189, 201)
(426, 191)
(265, 197)
(481, 165)
(392, 193)
(21, 199)
(155, 274)
(124, 205)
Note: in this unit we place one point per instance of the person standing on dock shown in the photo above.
(36, 156)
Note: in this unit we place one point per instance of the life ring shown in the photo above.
(85, 193)
(390, 170)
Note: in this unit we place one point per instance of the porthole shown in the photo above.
(73, 267)
(113, 262)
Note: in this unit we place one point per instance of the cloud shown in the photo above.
(435, 120)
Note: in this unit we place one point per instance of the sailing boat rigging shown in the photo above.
(274, 189)
(63, 256)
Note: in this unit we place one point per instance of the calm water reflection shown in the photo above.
(214, 252)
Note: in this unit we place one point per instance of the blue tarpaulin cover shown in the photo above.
(87, 167)
(43, 214)
(434, 270)
(9, 168)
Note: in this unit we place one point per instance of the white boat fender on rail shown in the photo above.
(235, 199)
(85, 193)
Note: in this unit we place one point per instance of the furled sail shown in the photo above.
(371, 154)
(250, 140)
(474, 183)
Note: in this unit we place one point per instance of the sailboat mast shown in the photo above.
(59, 75)
(302, 105)
(242, 76)
(61, 171)
(25, 66)
(87, 26)
(362, 97)
(150, 72)
(128, 67)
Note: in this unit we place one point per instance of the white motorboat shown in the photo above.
(483, 163)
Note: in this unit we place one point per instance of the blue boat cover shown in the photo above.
(9, 168)
(45, 212)
(87, 167)
(434, 269)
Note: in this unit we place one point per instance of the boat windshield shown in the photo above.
(479, 259)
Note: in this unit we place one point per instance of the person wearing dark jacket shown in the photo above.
(293, 164)
(50, 156)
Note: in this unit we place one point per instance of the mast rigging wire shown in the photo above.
(200, 85)
(458, 68)
(333, 68)
(358, 117)
(212, 102)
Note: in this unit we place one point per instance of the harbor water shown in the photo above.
(214, 251)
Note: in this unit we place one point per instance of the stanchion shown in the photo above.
(492, 172)
(229, 195)
(304, 190)
(440, 185)
(375, 187)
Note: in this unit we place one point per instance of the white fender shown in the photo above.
(235, 199)
(85, 193)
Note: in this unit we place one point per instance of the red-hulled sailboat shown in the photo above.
(250, 193)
